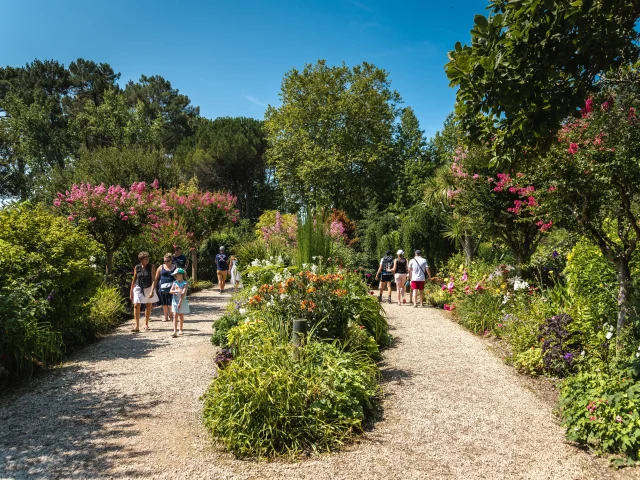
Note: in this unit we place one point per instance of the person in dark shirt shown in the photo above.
(222, 264)
(180, 260)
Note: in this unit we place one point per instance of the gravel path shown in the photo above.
(129, 406)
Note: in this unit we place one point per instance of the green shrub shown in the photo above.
(55, 262)
(480, 312)
(602, 409)
(221, 328)
(270, 402)
(106, 308)
(26, 340)
(528, 361)
(359, 340)
(199, 285)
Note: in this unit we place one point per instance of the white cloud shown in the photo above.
(255, 100)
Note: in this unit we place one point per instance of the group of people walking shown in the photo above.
(167, 286)
(406, 274)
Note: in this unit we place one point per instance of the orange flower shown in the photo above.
(266, 288)
(339, 292)
(311, 289)
(307, 305)
(255, 299)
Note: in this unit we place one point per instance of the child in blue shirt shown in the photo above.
(179, 302)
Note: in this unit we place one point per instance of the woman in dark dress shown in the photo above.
(164, 280)
(143, 290)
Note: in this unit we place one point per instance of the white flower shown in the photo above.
(611, 328)
(639, 348)
(254, 289)
(520, 285)
(313, 258)
(255, 263)
(242, 311)
(284, 296)
(277, 278)
(247, 321)
(582, 353)
(505, 299)
(637, 354)
(92, 259)
(609, 335)
(314, 268)
(270, 303)
(280, 260)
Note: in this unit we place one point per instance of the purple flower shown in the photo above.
(568, 357)
(51, 296)
(555, 254)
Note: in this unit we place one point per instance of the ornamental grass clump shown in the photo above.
(268, 402)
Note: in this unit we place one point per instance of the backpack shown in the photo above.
(387, 264)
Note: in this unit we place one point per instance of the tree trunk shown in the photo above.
(194, 264)
(519, 261)
(467, 245)
(109, 267)
(624, 284)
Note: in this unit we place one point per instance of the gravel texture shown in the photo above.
(128, 406)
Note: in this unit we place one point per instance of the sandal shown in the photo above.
(147, 328)
(135, 330)
(174, 335)
(180, 332)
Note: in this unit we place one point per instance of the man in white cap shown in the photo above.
(222, 264)
(418, 269)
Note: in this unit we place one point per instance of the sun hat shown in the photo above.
(179, 271)
(400, 252)
(222, 248)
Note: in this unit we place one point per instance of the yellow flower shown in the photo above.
(550, 272)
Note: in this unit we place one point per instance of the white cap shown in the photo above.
(400, 252)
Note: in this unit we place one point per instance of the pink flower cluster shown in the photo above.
(336, 230)
(544, 227)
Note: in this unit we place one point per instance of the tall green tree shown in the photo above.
(331, 141)
(531, 63)
(229, 154)
(413, 164)
(165, 104)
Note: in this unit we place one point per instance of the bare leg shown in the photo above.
(181, 322)
(136, 316)
(147, 315)
(165, 310)
(175, 323)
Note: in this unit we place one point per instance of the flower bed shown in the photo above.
(273, 399)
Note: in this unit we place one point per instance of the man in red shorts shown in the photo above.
(418, 269)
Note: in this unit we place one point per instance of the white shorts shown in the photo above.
(139, 297)
(401, 279)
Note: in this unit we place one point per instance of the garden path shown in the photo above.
(129, 406)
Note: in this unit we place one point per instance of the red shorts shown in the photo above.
(417, 285)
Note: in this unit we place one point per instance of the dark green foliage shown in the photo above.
(560, 346)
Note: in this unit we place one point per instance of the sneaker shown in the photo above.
(380, 298)
(415, 306)
(389, 299)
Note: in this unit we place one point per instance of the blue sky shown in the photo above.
(229, 57)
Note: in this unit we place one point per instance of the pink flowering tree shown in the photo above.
(500, 207)
(591, 178)
(197, 213)
(111, 214)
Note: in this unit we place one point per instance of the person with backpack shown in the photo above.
(400, 270)
(164, 280)
(385, 273)
(418, 269)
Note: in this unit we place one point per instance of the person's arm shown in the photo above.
(173, 289)
(157, 275)
(409, 270)
(133, 282)
(379, 270)
(395, 265)
(186, 262)
(429, 272)
(153, 284)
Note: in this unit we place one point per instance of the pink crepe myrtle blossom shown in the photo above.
(449, 308)
(573, 148)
